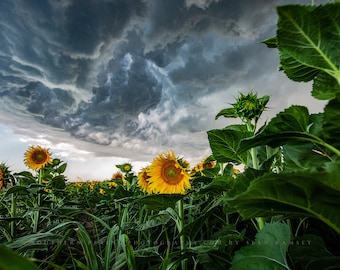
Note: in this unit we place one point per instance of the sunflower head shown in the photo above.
(143, 181)
(198, 168)
(118, 177)
(37, 157)
(249, 107)
(125, 167)
(167, 175)
(207, 163)
(112, 184)
(5, 175)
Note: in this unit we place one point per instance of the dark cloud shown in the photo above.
(133, 73)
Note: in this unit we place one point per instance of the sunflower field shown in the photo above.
(268, 197)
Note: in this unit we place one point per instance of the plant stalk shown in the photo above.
(180, 229)
(37, 213)
(255, 162)
(13, 214)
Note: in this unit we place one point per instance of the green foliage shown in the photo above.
(268, 251)
(310, 253)
(308, 39)
(225, 144)
(14, 261)
(314, 194)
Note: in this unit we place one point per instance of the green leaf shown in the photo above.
(292, 126)
(242, 182)
(229, 113)
(192, 229)
(16, 189)
(11, 260)
(61, 169)
(218, 184)
(303, 193)
(153, 221)
(271, 42)
(325, 87)
(108, 247)
(128, 251)
(159, 201)
(294, 118)
(331, 124)
(311, 253)
(268, 250)
(30, 241)
(88, 248)
(302, 156)
(308, 40)
(214, 260)
(225, 145)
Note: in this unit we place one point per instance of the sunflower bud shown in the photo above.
(250, 107)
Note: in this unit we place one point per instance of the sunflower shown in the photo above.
(37, 157)
(143, 181)
(168, 175)
(126, 167)
(207, 163)
(112, 184)
(118, 177)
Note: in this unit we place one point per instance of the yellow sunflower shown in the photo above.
(118, 177)
(112, 184)
(198, 168)
(37, 157)
(168, 175)
(143, 181)
(203, 165)
(126, 167)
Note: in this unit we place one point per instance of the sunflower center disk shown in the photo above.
(171, 174)
(40, 158)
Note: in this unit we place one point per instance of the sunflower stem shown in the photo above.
(255, 163)
(13, 214)
(180, 229)
(37, 213)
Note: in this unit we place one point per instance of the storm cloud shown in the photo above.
(141, 75)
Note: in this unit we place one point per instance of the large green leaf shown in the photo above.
(225, 144)
(311, 253)
(308, 39)
(302, 156)
(304, 193)
(331, 124)
(292, 126)
(268, 251)
(11, 260)
(288, 126)
(325, 87)
(294, 118)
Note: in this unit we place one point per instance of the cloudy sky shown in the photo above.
(101, 82)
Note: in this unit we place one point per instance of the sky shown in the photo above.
(103, 82)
